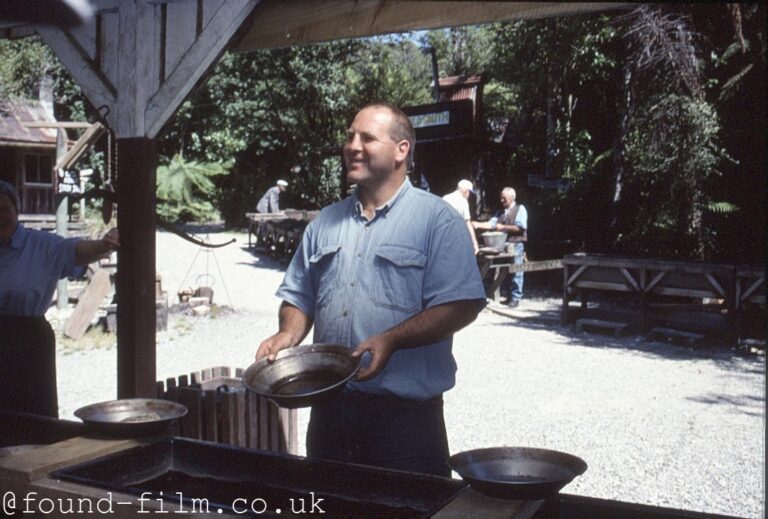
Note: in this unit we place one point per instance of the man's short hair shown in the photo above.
(7, 189)
(400, 129)
(510, 192)
(282, 182)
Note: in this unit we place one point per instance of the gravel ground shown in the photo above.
(658, 424)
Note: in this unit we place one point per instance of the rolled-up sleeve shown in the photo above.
(297, 288)
(451, 273)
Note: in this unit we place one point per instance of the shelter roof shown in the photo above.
(14, 133)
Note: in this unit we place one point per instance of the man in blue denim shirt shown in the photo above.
(388, 271)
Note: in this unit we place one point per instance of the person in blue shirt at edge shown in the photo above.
(31, 263)
(388, 272)
(513, 221)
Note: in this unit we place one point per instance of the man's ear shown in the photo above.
(403, 147)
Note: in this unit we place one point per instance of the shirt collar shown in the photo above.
(384, 209)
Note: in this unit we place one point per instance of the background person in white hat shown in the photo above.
(270, 202)
(459, 200)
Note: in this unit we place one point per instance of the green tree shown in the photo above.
(185, 189)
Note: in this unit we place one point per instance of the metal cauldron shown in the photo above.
(302, 376)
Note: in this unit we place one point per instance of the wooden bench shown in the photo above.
(676, 335)
(616, 328)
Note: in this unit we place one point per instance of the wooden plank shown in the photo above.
(617, 328)
(108, 51)
(195, 63)
(96, 87)
(656, 279)
(85, 36)
(684, 292)
(89, 303)
(181, 28)
(83, 144)
(139, 70)
(628, 277)
(537, 266)
(469, 502)
(671, 333)
(137, 315)
(715, 284)
(192, 424)
(210, 431)
(597, 285)
(576, 274)
(36, 463)
(241, 419)
(252, 417)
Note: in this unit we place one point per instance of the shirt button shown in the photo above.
(352, 284)
(345, 313)
(359, 254)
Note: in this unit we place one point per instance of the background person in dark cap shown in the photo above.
(31, 263)
(270, 202)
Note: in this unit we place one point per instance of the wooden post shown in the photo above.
(62, 215)
(136, 371)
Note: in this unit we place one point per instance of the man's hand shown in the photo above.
(111, 240)
(294, 326)
(270, 346)
(380, 349)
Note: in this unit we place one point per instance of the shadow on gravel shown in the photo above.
(751, 405)
(262, 260)
(544, 314)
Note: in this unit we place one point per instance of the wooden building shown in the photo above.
(28, 155)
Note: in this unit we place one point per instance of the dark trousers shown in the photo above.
(28, 365)
(383, 431)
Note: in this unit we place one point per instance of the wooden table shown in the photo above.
(494, 269)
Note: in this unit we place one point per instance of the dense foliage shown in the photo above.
(653, 119)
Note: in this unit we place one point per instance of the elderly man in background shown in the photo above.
(513, 220)
(31, 263)
(389, 273)
(459, 200)
(270, 202)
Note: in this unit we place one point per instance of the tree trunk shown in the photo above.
(625, 111)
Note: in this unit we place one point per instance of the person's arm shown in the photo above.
(429, 326)
(88, 251)
(508, 228)
(475, 247)
(274, 200)
(294, 326)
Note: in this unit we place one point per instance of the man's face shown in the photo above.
(370, 154)
(8, 218)
(506, 200)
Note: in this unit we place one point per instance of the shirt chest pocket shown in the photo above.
(399, 278)
(324, 271)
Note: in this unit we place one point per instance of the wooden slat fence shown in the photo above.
(222, 410)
